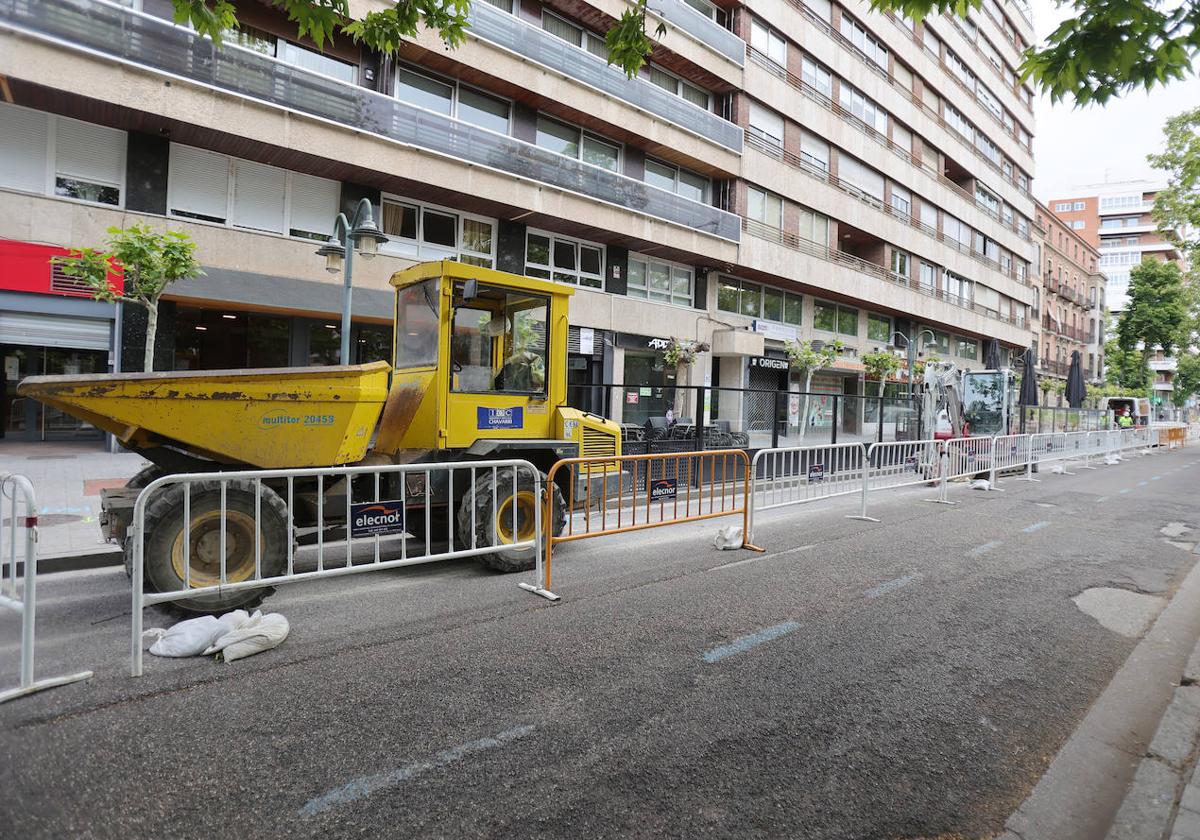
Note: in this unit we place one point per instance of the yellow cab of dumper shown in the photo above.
(480, 355)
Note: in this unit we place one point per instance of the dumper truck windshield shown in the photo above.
(498, 341)
(417, 325)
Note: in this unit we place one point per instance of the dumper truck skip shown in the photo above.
(478, 372)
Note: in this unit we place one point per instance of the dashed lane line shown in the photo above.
(1126, 489)
(1036, 526)
(983, 549)
(759, 557)
(364, 786)
(746, 643)
(890, 586)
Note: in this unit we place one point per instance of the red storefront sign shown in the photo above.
(26, 267)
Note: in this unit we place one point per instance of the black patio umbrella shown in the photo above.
(1076, 390)
(1029, 387)
(991, 359)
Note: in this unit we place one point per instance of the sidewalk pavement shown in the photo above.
(1163, 800)
(67, 478)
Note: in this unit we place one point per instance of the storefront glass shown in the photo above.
(649, 387)
(26, 419)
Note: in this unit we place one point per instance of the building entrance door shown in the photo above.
(25, 419)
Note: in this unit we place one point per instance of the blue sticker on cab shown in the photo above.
(500, 418)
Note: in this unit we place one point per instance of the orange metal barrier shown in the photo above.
(632, 492)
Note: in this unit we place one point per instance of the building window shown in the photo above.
(901, 200)
(427, 232)
(958, 289)
(766, 124)
(940, 342)
(673, 84)
(574, 35)
(967, 348)
(755, 301)
(814, 227)
(900, 265)
(879, 328)
(679, 181)
(929, 276)
(1078, 205)
(814, 151)
(859, 37)
(294, 54)
(768, 42)
(573, 142)
(553, 257)
(453, 100)
(217, 188)
(817, 77)
(830, 317)
(764, 207)
(660, 281)
(862, 107)
(51, 155)
(1077, 224)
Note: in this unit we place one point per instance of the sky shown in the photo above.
(1074, 146)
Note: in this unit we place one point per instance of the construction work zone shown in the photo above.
(18, 560)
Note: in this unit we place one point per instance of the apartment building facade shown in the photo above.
(779, 171)
(1071, 300)
(1117, 218)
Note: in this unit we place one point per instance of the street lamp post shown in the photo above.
(912, 356)
(361, 234)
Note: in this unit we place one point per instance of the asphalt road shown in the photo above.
(901, 679)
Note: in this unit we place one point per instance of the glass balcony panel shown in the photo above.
(702, 27)
(149, 42)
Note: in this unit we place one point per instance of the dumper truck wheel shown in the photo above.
(494, 522)
(144, 476)
(165, 565)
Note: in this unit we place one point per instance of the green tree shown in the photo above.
(384, 30)
(1187, 378)
(880, 365)
(1106, 48)
(1177, 208)
(1125, 369)
(151, 261)
(807, 359)
(1157, 314)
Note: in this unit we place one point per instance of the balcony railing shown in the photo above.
(702, 28)
(150, 42)
(832, 255)
(815, 171)
(533, 42)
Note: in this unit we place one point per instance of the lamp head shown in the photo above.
(334, 254)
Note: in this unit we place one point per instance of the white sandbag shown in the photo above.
(981, 484)
(1111, 460)
(729, 537)
(259, 633)
(1058, 469)
(193, 636)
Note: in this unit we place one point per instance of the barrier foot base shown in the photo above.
(42, 685)
(537, 590)
(939, 501)
(861, 517)
(753, 547)
(1023, 478)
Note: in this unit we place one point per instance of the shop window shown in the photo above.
(879, 328)
(553, 257)
(967, 348)
(659, 281)
(427, 232)
(940, 343)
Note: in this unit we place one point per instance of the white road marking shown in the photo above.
(366, 785)
(758, 557)
(1036, 526)
(1102, 499)
(745, 643)
(1126, 490)
(1142, 483)
(983, 549)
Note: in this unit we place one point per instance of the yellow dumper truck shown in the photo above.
(478, 372)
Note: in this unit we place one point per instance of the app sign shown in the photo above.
(500, 418)
(373, 519)
(662, 488)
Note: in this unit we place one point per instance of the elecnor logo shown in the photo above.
(371, 519)
(816, 472)
(662, 488)
(499, 418)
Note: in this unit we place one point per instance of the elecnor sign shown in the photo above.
(373, 519)
(662, 489)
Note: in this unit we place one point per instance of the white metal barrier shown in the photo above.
(901, 463)
(18, 492)
(234, 510)
(1047, 447)
(1009, 452)
(794, 475)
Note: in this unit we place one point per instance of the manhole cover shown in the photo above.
(49, 520)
